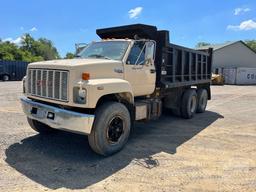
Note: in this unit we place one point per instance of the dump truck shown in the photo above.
(12, 70)
(130, 75)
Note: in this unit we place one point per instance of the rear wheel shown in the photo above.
(6, 78)
(111, 128)
(39, 127)
(202, 98)
(188, 103)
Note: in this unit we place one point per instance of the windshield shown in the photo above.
(107, 50)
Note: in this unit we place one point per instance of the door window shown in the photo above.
(137, 53)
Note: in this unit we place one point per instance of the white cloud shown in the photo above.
(21, 28)
(8, 39)
(238, 11)
(244, 26)
(33, 29)
(16, 41)
(134, 13)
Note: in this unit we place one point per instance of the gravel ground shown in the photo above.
(214, 151)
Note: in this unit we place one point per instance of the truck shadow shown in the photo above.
(66, 160)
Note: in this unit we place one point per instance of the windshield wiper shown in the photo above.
(99, 56)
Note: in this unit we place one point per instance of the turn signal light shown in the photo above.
(85, 76)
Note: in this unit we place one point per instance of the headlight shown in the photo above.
(79, 95)
(82, 93)
(24, 84)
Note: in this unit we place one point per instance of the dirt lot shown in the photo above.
(215, 151)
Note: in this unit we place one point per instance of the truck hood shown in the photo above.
(69, 63)
(98, 68)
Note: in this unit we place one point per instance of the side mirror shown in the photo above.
(79, 47)
(148, 61)
(150, 51)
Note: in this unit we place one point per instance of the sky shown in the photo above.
(68, 22)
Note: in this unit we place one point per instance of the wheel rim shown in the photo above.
(193, 104)
(115, 129)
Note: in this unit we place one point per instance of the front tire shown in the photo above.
(111, 128)
(39, 127)
(188, 104)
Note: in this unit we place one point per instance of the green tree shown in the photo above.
(251, 44)
(30, 50)
(46, 49)
(10, 51)
(201, 44)
(27, 42)
(69, 55)
(39, 48)
(7, 51)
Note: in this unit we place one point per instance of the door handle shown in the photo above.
(136, 67)
(118, 70)
(152, 70)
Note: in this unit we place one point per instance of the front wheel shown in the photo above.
(111, 128)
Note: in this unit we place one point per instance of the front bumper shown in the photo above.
(58, 118)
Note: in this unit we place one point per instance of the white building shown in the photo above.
(232, 55)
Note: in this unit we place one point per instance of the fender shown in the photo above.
(96, 88)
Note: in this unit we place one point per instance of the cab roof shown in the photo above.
(128, 31)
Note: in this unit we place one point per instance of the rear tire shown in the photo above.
(188, 104)
(39, 127)
(6, 78)
(111, 128)
(202, 98)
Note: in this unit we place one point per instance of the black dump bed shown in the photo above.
(175, 65)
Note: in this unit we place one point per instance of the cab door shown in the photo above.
(140, 69)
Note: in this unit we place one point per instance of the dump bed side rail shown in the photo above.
(183, 66)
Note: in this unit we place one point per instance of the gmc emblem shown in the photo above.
(43, 83)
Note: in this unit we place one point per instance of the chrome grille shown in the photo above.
(51, 84)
